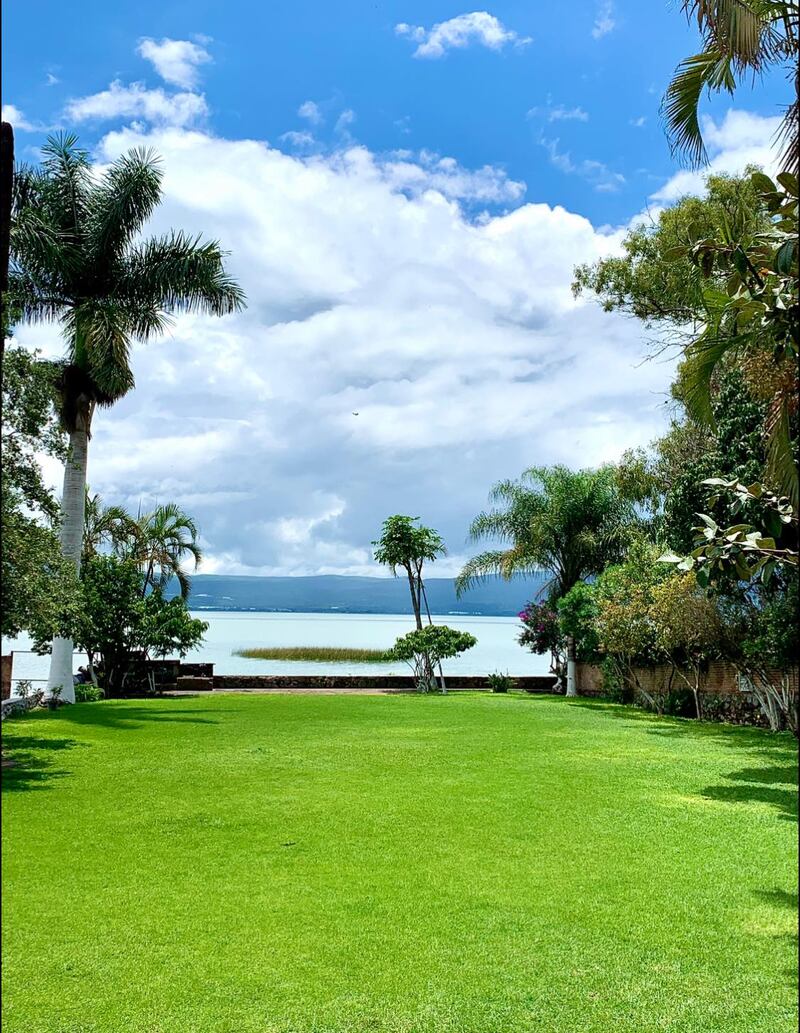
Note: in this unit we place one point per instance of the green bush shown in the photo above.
(87, 693)
(500, 682)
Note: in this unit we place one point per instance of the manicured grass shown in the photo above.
(316, 654)
(395, 864)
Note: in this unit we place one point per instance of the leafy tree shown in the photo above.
(38, 589)
(164, 540)
(577, 616)
(652, 280)
(687, 628)
(107, 287)
(740, 38)
(121, 626)
(567, 523)
(425, 648)
(541, 633)
(405, 544)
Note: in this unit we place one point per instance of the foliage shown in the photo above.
(106, 528)
(38, 589)
(753, 321)
(87, 693)
(404, 544)
(740, 38)
(424, 648)
(687, 628)
(564, 522)
(654, 283)
(541, 633)
(121, 626)
(316, 654)
(424, 842)
(499, 682)
(742, 550)
(77, 257)
(577, 615)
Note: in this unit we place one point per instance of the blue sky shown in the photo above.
(405, 189)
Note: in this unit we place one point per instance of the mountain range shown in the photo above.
(329, 593)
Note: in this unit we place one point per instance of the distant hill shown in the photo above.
(328, 593)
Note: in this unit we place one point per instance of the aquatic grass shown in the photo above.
(317, 654)
(395, 864)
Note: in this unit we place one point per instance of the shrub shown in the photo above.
(500, 682)
(88, 693)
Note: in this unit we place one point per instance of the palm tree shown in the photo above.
(165, 539)
(739, 37)
(109, 526)
(569, 524)
(108, 288)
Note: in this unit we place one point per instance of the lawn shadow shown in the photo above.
(782, 898)
(108, 714)
(27, 763)
(761, 785)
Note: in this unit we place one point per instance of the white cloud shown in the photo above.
(597, 173)
(175, 60)
(51, 80)
(559, 113)
(310, 110)
(301, 141)
(638, 122)
(741, 138)
(604, 21)
(344, 121)
(135, 101)
(456, 340)
(12, 114)
(477, 27)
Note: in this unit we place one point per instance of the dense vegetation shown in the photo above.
(317, 654)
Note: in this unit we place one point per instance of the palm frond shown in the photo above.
(477, 569)
(179, 273)
(67, 168)
(122, 202)
(710, 69)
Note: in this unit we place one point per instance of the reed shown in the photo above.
(316, 654)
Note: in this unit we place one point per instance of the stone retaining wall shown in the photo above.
(392, 682)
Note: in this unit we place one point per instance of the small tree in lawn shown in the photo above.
(687, 628)
(406, 544)
(426, 647)
(119, 625)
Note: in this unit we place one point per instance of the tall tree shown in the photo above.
(567, 523)
(108, 288)
(407, 544)
(110, 527)
(740, 38)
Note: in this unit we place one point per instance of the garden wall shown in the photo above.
(390, 683)
(721, 698)
(5, 672)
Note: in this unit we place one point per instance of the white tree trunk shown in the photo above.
(572, 683)
(73, 502)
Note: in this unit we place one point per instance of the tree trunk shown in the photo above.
(572, 684)
(6, 187)
(415, 600)
(73, 502)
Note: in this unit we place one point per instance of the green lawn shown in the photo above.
(472, 863)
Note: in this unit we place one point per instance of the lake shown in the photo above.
(497, 648)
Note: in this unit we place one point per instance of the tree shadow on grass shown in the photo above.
(28, 761)
(110, 714)
(782, 898)
(770, 785)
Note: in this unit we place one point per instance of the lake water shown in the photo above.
(497, 648)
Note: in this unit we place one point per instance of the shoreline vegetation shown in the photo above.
(317, 654)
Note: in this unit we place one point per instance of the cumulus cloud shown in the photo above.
(135, 101)
(740, 139)
(604, 21)
(18, 120)
(176, 60)
(371, 290)
(477, 27)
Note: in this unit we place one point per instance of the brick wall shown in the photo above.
(535, 683)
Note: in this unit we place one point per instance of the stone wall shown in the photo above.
(391, 683)
(5, 675)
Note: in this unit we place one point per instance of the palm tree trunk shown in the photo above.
(572, 684)
(73, 502)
